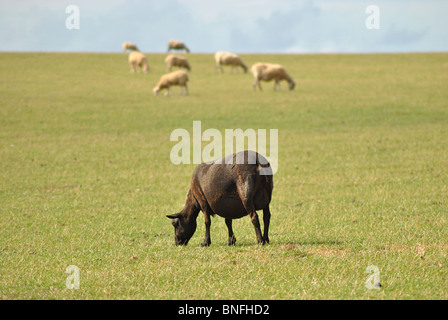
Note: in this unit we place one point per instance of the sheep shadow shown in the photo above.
(288, 243)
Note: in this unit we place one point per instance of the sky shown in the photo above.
(242, 26)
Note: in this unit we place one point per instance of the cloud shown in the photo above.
(42, 28)
(279, 32)
(233, 25)
(397, 36)
(30, 28)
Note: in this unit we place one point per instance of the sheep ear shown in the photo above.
(173, 216)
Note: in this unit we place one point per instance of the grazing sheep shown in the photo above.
(129, 46)
(137, 59)
(178, 61)
(229, 59)
(175, 78)
(177, 45)
(268, 72)
(231, 189)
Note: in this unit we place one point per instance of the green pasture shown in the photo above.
(86, 178)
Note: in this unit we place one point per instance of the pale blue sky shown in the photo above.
(261, 26)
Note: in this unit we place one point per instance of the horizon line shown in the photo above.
(213, 52)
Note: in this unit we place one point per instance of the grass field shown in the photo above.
(86, 179)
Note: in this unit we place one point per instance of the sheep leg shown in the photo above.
(183, 88)
(232, 238)
(277, 85)
(203, 204)
(207, 241)
(266, 221)
(254, 86)
(254, 218)
(245, 190)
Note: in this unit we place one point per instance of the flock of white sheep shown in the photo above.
(261, 71)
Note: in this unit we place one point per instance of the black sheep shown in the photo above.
(231, 187)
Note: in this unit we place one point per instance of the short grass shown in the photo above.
(86, 179)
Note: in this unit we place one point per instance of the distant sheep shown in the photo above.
(177, 45)
(175, 78)
(137, 59)
(129, 46)
(228, 59)
(268, 72)
(178, 61)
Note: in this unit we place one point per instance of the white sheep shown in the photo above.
(175, 78)
(228, 59)
(178, 61)
(268, 72)
(137, 59)
(177, 45)
(129, 46)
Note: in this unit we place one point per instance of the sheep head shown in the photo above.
(292, 84)
(183, 228)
